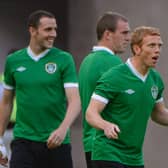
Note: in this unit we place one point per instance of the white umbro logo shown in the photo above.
(21, 69)
(129, 91)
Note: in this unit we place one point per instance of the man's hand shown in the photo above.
(56, 138)
(111, 131)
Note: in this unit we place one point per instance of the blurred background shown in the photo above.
(76, 21)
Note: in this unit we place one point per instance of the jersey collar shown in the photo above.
(135, 72)
(100, 48)
(34, 56)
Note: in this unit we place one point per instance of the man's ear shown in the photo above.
(32, 30)
(107, 34)
(136, 49)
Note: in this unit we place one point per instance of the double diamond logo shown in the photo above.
(21, 69)
(129, 91)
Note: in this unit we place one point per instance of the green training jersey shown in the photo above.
(39, 87)
(131, 99)
(92, 67)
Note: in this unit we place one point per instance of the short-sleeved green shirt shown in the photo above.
(92, 67)
(131, 99)
(39, 87)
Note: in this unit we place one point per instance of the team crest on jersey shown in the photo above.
(154, 91)
(50, 67)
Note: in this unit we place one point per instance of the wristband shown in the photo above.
(3, 151)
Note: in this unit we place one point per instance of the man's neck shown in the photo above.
(139, 65)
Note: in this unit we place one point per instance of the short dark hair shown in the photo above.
(108, 21)
(35, 17)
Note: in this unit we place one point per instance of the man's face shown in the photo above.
(121, 37)
(149, 51)
(45, 34)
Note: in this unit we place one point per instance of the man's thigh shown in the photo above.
(21, 156)
(30, 154)
(61, 156)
